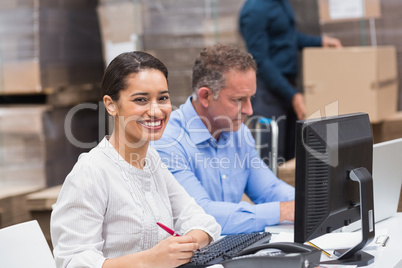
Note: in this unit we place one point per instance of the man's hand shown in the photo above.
(331, 42)
(287, 211)
(298, 106)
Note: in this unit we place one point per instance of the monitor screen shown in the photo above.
(333, 177)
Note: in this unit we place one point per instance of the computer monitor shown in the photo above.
(333, 180)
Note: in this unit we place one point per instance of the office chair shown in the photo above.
(24, 245)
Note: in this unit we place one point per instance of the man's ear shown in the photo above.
(110, 105)
(204, 96)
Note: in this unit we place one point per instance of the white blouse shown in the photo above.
(108, 208)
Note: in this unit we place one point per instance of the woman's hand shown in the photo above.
(171, 252)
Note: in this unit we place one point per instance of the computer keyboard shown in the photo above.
(226, 248)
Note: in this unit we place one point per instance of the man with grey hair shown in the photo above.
(211, 152)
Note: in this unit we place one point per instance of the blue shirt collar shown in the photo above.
(199, 132)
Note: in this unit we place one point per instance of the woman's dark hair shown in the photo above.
(115, 76)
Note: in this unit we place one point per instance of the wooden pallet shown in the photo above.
(39, 205)
(13, 207)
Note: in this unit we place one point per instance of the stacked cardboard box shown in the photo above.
(379, 27)
(173, 31)
(13, 207)
(176, 31)
(335, 11)
(400, 204)
(39, 205)
(287, 171)
(350, 80)
(35, 148)
(48, 44)
(115, 38)
(388, 129)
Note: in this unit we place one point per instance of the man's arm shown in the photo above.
(304, 40)
(233, 217)
(262, 185)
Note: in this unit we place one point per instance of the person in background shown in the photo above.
(269, 31)
(211, 152)
(107, 212)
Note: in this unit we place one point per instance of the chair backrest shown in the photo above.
(24, 245)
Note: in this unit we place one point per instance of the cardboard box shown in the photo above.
(48, 44)
(350, 80)
(39, 204)
(388, 129)
(21, 77)
(400, 203)
(40, 144)
(13, 205)
(287, 171)
(115, 38)
(347, 10)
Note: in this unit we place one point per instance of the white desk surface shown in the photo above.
(385, 257)
(391, 254)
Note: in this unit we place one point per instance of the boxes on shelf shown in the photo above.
(13, 208)
(157, 27)
(400, 203)
(39, 205)
(48, 44)
(115, 38)
(35, 147)
(349, 80)
(287, 171)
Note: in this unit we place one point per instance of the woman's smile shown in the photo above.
(152, 124)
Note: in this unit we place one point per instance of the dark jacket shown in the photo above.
(268, 28)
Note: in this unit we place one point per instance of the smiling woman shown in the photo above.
(141, 113)
(108, 208)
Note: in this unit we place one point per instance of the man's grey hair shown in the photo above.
(214, 62)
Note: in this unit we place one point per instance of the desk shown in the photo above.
(385, 257)
(391, 254)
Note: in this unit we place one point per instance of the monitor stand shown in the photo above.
(354, 256)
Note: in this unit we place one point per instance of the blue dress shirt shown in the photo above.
(217, 172)
(269, 30)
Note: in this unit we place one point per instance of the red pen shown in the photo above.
(167, 229)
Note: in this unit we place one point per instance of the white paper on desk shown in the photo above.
(285, 226)
(341, 240)
(336, 266)
(282, 237)
(338, 240)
